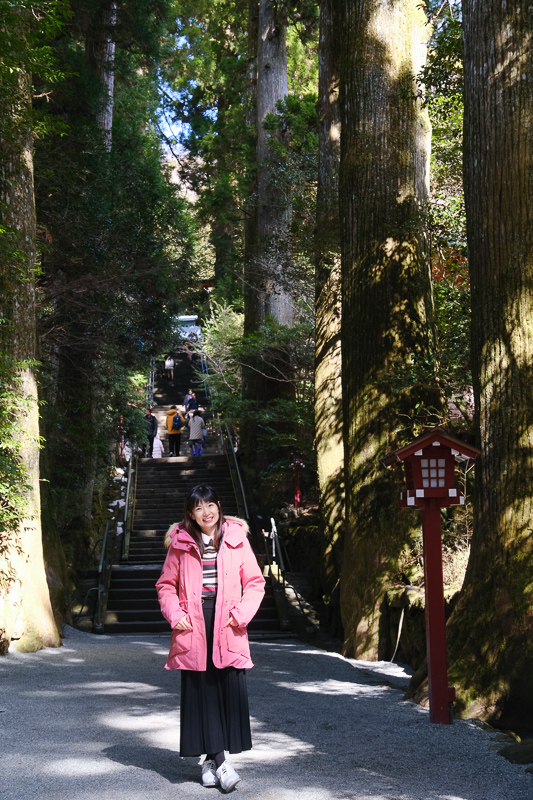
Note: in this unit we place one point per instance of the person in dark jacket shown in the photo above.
(151, 430)
(192, 403)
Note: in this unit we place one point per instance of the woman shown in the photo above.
(169, 367)
(197, 433)
(210, 588)
(157, 447)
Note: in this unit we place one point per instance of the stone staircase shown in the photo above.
(160, 488)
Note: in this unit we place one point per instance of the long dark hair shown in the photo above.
(196, 495)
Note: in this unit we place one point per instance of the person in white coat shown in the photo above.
(157, 448)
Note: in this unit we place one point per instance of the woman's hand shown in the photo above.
(231, 621)
(183, 625)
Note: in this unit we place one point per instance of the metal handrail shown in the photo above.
(127, 519)
(276, 546)
(235, 473)
(277, 575)
(205, 371)
(104, 574)
(106, 560)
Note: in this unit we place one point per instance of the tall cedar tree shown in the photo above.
(490, 635)
(328, 388)
(266, 290)
(25, 609)
(387, 307)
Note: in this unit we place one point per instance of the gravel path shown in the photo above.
(98, 718)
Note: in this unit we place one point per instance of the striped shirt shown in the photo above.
(209, 568)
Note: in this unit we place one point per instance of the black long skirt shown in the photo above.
(214, 713)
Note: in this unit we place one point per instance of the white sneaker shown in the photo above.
(209, 776)
(227, 776)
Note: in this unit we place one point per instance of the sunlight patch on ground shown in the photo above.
(139, 719)
(75, 767)
(159, 649)
(272, 746)
(35, 658)
(311, 793)
(334, 688)
(317, 793)
(399, 674)
(168, 738)
(119, 687)
(160, 729)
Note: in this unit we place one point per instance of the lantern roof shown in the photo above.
(434, 436)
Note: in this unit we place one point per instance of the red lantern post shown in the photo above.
(429, 463)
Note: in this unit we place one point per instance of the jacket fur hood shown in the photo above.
(175, 527)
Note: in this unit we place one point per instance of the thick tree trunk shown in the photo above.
(328, 389)
(273, 208)
(101, 55)
(250, 218)
(387, 305)
(490, 634)
(268, 232)
(25, 609)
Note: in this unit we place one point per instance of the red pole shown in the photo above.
(297, 485)
(440, 694)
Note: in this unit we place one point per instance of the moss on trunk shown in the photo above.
(387, 327)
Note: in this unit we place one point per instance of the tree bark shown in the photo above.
(250, 218)
(490, 634)
(273, 208)
(101, 55)
(267, 290)
(387, 303)
(328, 388)
(25, 609)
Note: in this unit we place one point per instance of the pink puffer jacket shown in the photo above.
(240, 591)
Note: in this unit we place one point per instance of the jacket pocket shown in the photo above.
(237, 640)
(181, 642)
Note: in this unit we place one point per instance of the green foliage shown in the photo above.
(443, 74)
(205, 99)
(442, 80)
(285, 425)
(451, 288)
(208, 101)
(302, 58)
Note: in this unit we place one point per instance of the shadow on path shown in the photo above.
(99, 718)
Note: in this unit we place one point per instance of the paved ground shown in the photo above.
(98, 718)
